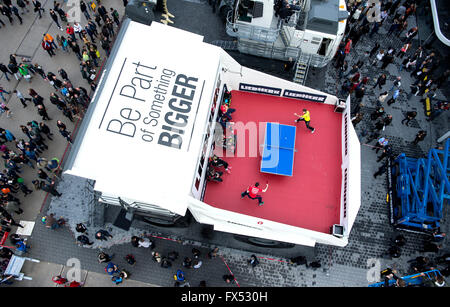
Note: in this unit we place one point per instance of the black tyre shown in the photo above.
(223, 12)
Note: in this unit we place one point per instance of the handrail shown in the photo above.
(437, 27)
(249, 31)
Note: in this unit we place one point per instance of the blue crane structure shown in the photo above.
(411, 280)
(418, 189)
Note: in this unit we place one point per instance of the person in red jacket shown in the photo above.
(59, 280)
(48, 47)
(252, 192)
(74, 284)
(71, 32)
(348, 46)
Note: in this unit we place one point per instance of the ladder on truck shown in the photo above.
(303, 63)
(419, 189)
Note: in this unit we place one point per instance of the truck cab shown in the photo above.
(287, 29)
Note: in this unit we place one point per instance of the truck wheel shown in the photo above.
(223, 12)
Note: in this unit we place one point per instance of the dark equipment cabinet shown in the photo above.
(141, 11)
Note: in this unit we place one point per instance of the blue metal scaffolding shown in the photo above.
(411, 280)
(420, 188)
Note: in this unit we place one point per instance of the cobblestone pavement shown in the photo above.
(347, 266)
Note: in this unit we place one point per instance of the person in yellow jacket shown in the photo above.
(306, 117)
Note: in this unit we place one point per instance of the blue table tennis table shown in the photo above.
(278, 149)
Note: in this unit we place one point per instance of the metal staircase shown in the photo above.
(284, 37)
(303, 62)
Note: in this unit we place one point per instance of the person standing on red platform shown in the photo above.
(252, 192)
(306, 117)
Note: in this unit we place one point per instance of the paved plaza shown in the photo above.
(348, 266)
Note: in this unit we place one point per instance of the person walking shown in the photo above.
(348, 46)
(83, 240)
(98, 19)
(54, 16)
(91, 34)
(24, 70)
(71, 32)
(104, 257)
(52, 223)
(38, 7)
(92, 27)
(37, 100)
(382, 98)
(83, 8)
(352, 71)
(387, 59)
(252, 192)
(48, 47)
(43, 112)
(228, 278)
(387, 152)
(103, 235)
(375, 28)
(394, 97)
(4, 69)
(380, 144)
(2, 22)
(420, 136)
(342, 67)
(102, 11)
(357, 119)
(77, 28)
(110, 26)
(397, 83)
(381, 81)
(2, 92)
(253, 261)
(81, 228)
(306, 117)
(105, 45)
(115, 16)
(44, 176)
(403, 50)
(14, 69)
(23, 6)
(63, 131)
(48, 38)
(76, 49)
(50, 188)
(6, 11)
(410, 115)
(359, 94)
(62, 42)
(4, 108)
(63, 74)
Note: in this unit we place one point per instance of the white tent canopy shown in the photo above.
(145, 131)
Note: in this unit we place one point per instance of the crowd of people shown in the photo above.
(423, 66)
(28, 150)
(119, 274)
(438, 266)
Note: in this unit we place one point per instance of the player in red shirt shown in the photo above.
(252, 192)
